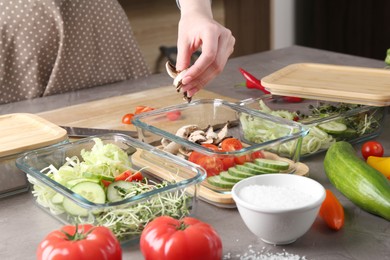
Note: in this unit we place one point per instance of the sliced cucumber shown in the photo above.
(74, 182)
(346, 135)
(226, 176)
(217, 181)
(57, 198)
(260, 169)
(98, 176)
(90, 191)
(117, 190)
(247, 169)
(333, 127)
(272, 164)
(240, 174)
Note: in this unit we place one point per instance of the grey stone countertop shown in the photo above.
(365, 236)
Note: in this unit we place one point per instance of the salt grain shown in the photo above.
(251, 254)
(273, 197)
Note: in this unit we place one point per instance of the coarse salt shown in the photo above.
(275, 197)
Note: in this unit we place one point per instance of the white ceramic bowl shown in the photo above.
(278, 208)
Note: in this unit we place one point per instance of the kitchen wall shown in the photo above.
(282, 23)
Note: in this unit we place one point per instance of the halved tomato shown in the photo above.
(231, 144)
(257, 154)
(212, 165)
(126, 119)
(129, 176)
(194, 156)
(211, 146)
(228, 162)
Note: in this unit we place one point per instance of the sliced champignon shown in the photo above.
(222, 134)
(198, 136)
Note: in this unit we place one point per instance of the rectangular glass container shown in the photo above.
(328, 121)
(21, 132)
(173, 184)
(225, 119)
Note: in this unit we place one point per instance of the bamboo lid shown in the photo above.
(357, 85)
(21, 132)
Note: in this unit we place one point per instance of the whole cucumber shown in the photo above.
(359, 182)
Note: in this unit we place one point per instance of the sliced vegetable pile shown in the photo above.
(104, 175)
(320, 136)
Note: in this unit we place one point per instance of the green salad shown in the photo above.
(321, 135)
(97, 176)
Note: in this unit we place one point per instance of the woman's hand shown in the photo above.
(198, 29)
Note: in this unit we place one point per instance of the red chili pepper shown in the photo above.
(252, 81)
(292, 99)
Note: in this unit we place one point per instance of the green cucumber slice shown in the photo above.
(117, 190)
(217, 181)
(247, 169)
(260, 169)
(333, 127)
(226, 176)
(57, 198)
(98, 176)
(272, 164)
(240, 174)
(90, 191)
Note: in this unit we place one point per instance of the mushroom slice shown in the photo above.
(222, 133)
(165, 141)
(210, 134)
(197, 136)
(184, 152)
(185, 131)
(172, 148)
(177, 79)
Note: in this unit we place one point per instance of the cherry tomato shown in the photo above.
(257, 154)
(80, 242)
(142, 109)
(372, 148)
(212, 165)
(126, 119)
(231, 144)
(173, 115)
(129, 176)
(188, 238)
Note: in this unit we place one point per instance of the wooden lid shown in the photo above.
(358, 85)
(21, 132)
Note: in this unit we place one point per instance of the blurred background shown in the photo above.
(357, 27)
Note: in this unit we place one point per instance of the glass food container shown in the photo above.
(98, 180)
(201, 127)
(21, 132)
(328, 121)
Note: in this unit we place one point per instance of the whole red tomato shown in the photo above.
(189, 239)
(80, 242)
(372, 148)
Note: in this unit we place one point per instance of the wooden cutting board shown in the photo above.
(21, 132)
(107, 113)
(348, 84)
